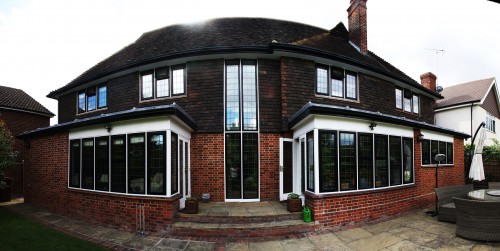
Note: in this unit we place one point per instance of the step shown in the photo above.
(244, 230)
(197, 218)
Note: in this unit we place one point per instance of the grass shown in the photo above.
(18, 233)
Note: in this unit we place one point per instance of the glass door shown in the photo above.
(242, 166)
(286, 167)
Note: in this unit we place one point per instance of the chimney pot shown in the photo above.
(357, 24)
(428, 80)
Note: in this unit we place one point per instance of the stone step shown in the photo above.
(197, 218)
(243, 230)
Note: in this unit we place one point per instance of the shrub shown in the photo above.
(7, 154)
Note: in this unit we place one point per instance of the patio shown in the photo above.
(412, 231)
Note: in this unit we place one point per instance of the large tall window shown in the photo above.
(88, 163)
(347, 161)
(365, 160)
(328, 161)
(241, 126)
(336, 82)
(407, 160)
(310, 161)
(395, 164)
(102, 163)
(381, 161)
(156, 163)
(174, 164)
(118, 164)
(163, 82)
(136, 162)
(74, 163)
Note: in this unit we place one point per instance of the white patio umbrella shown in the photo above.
(476, 168)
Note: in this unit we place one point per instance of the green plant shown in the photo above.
(7, 154)
(293, 196)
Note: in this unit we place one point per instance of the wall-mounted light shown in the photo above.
(420, 137)
(372, 125)
(108, 127)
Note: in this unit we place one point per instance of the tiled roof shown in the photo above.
(464, 93)
(346, 111)
(18, 99)
(227, 35)
(142, 112)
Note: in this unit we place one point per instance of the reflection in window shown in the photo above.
(350, 86)
(156, 163)
(232, 97)
(136, 162)
(88, 163)
(426, 152)
(407, 160)
(449, 153)
(147, 86)
(415, 104)
(399, 98)
(233, 166)
(434, 151)
(249, 87)
(250, 166)
(102, 164)
(178, 81)
(81, 102)
(174, 171)
(322, 80)
(118, 164)
(310, 161)
(381, 161)
(102, 96)
(328, 161)
(395, 157)
(74, 163)
(365, 159)
(347, 160)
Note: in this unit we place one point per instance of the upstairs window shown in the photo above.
(163, 82)
(490, 122)
(407, 101)
(92, 98)
(336, 82)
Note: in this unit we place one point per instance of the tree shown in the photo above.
(7, 154)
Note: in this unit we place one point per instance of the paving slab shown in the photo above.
(142, 242)
(408, 245)
(328, 242)
(170, 244)
(236, 246)
(266, 246)
(375, 242)
(200, 246)
(303, 244)
(353, 234)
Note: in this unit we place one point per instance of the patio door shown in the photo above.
(184, 172)
(286, 167)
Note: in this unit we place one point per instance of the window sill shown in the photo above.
(406, 112)
(163, 98)
(357, 192)
(440, 165)
(91, 112)
(337, 98)
(126, 196)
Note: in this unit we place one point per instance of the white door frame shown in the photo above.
(284, 196)
(185, 170)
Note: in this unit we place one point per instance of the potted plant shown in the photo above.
(191, 205)
(294, 203)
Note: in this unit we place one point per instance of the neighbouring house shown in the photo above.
(245, 109)
(466, 105)
(21, 113)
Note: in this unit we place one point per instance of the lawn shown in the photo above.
(18, 233)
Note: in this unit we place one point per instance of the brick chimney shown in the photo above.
(428, 80)
(357, 24)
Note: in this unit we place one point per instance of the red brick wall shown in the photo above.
(18, 122)
(345, 210)
(269, 166)
(46, 186)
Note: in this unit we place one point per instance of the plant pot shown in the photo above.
(294, 205)
(191, 207)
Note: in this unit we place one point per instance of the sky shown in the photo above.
(44, 44)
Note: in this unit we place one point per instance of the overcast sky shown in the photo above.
(44, 44)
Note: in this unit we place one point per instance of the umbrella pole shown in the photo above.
(472, 143)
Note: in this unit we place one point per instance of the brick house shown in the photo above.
(21, 113)
(246, 109)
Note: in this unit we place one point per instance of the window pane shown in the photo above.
(102, 163)
(91, 103)
(395, 156)
(147, 86)
(328, 161)
(250, 166)
(365, 158)
(442, 150)
(233, 166)
(156, 163)
(118, 164)
(407, 104)
(322, 80)
(162, 89)
(103, 96)
(337, 88)
(136, 163)
(416, 103)
(434, 151)
(310, 161)
(347, 157)
(174, 167)
(178, 81)
(407, 160)
(232, 98)
(88, 163)
(399, 98)
(249, 97)
(74, 163)
(426, 152)
(350, 82)
(449, 153)
(81, 102)
(381, 161)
